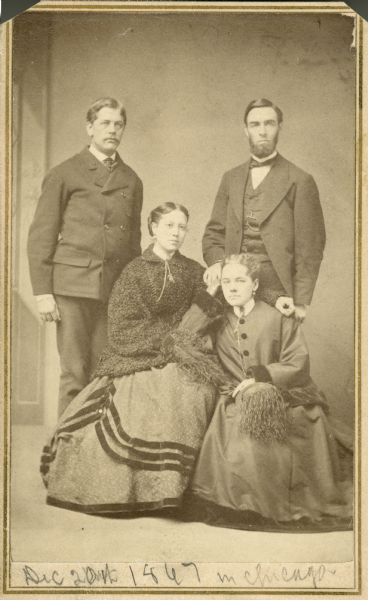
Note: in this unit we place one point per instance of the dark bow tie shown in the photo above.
(255, 163)
(110, 163)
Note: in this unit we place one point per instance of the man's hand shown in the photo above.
(243, 386)
(300, 312)
(285, 305)
(47, 308)
(212, 276)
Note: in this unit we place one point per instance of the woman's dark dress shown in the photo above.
(130, 439)
(299, 479)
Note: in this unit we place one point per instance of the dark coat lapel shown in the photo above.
(276, 186)
(237, 188)
(119, 177)
(98, 173)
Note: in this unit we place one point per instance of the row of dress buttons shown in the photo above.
(243, 336)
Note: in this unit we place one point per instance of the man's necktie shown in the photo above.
(110, 163)
(255, 163)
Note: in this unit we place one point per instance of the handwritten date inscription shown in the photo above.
(185, 574)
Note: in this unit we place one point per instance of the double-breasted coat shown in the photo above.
(86, 227)
(291, 224)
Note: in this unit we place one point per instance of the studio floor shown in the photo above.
(41, 533)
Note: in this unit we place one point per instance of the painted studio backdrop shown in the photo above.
(186, 80)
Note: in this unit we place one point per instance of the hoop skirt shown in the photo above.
(128, 443)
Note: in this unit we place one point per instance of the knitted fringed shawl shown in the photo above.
(263, 413)
(143, 309)
(188, 350)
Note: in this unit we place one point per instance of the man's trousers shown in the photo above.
(81, 335)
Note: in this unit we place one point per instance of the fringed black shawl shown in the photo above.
(141, 313)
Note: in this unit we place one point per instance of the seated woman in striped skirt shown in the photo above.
(128, 442)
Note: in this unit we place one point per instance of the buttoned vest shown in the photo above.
(252, 242)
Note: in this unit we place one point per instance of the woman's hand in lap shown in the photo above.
(243, 386)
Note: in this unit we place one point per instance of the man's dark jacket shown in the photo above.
(291, 224)
(86, 228)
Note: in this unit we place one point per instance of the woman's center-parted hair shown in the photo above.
(164, 209)
(251, 263)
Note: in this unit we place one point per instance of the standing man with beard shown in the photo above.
(86, 228)
(270, 208)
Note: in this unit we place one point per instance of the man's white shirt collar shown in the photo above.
(100, 155)
(260, 173)
(266, 158)
(243, 311)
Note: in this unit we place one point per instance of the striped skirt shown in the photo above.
(129, 443)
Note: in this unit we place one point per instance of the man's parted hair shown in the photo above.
(102, 103)
(262, 103)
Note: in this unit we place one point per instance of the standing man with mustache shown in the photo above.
(86, 228)
(270, 208)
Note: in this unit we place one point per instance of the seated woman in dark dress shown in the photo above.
(270, 459)
(129, 441)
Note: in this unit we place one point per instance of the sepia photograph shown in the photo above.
(183, 246)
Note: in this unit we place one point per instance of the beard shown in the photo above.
(263, 149)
